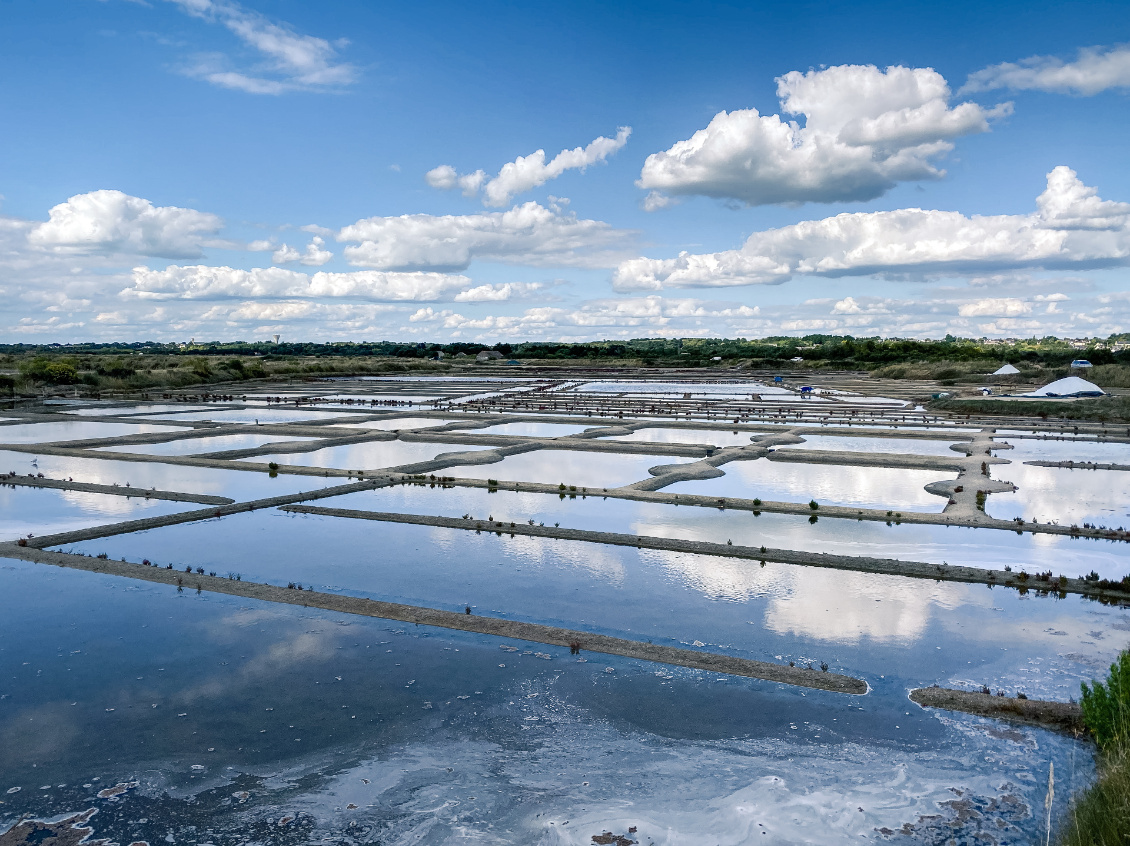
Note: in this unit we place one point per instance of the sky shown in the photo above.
(433, 171)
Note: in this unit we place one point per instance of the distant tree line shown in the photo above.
(841, 351)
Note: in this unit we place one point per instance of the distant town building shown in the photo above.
(489, 355)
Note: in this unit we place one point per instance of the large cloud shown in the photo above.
(526, 172)
(865, 130)
(201, 282)
(529, 234)
(594, 319)
(292, 61)
(112, 222)
(1096, 69)
(1071, 227)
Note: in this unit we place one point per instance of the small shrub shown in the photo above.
(813, 504)
(1106, 707)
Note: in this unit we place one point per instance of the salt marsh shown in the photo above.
(232, 713)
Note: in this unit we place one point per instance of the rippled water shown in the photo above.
(234, 720)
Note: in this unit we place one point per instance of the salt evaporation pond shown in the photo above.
(732, 605)
(400, 423)
(239, 485)
(245, 719)
(567, 467)
(115, 409)
(688, 436)
(1028, 449)
(197, 446)
(903, 446)
(991, 549)
(832, 484)
(534, 429)
(44, 511)
(1100, 497)
(367, 456)
(73, 430)
(260, 415)
(721, 389)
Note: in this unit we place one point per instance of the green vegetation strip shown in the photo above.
(1100, 816)
(1061, 716)
(530, 632)
(861, 564)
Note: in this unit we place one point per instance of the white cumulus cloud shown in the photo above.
(1095, 70)
(291, 61)
(1071, 227)
(526, 172)
(528, 234)
(109, 221)
(314, 255)
(995, 307)
(865, 130)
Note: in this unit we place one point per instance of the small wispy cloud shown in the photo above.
(1096, 69)
(526, 172)
(289, 60)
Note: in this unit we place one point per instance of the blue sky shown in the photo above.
(364, 170)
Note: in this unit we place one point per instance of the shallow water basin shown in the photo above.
(833, 484)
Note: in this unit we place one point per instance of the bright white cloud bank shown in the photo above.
(1097, 69)
(113, 222)
(526, 172)
(293, 61)
(529, 234)
(1072, 226)
(197, 282)
(865, 130)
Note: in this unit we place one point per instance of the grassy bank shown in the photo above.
(1101, 815)
(1106, 409)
